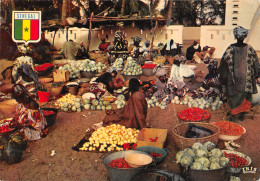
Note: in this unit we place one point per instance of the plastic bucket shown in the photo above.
(73, 89)
(153, 149)
(52, 117)
(44, 96)
(119, 174)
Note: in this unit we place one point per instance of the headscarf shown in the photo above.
(170, 46)
(159, 71)
(27, 70)
(240, 32)
(137, 39)
(134, 85)
(180, 59)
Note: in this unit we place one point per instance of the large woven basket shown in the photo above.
(8, 106)
(182, 142)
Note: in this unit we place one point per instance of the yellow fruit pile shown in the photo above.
(69, 98)
(110, 138)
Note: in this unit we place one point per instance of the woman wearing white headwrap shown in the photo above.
(239, 69)
(167, 89)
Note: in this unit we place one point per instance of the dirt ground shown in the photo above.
(67, 164)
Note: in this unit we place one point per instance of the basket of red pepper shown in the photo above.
(4, 126)
(50, 114)
(194, 114)
(44, 69)
(229, 130)
(237, 161)
(158, 154)
(148, 69)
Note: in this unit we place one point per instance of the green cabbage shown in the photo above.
(205, 168)
(196, 166)
(223, 161)
(214, 166)
(201, 153)
(186, 160)
(214, 159)
(203, 161)
(197, 145)
(209, 145)
(189, 151)
(95, 102)
(120, 97)
(215, 152)
(179, 155)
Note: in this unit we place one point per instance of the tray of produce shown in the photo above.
(106, 139)
(194, 114)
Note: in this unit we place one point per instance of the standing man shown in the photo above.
(239, 69)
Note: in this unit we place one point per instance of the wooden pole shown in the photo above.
(90, 29)
(155, 27)
(169, 13)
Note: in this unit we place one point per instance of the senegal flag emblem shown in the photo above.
(26, 26)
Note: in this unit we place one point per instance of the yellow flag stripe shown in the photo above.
(26, 30)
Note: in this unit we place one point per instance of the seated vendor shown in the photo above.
(103, 45)
(71, 50)
(167, 89)
(206, 52)
(117, 82)
(29, 118)
(195, 47)
(27, 77)
(133, 115)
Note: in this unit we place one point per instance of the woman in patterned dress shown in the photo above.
(29, 118)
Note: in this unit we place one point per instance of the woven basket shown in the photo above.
(182, 142)
(55, 91)
(8, 106)
(128, 77)
(45, 80)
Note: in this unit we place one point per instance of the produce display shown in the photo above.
(148, 66)
(47, 113)
(235, 160)
(120, 102)
(4, 128)
(118, 64)
(95, 104)
(193, 114)
(156, 155)
(43, 67)
(154, 102)
(229, 128)
(110, 138)
(120, 91)
(202, 157)
(131, 68)
(199, 102)
(119, 163)
(87, 65)
(65, 102)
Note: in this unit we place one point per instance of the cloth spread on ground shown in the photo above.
(133, 115)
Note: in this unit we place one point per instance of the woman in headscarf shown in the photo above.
(211, 86)
(27, 77)
(168, 88)
(29, 118)
(206, 53)
(179, 70)
(170, 49)
(239, 69)
(6, 84)
(133, 115)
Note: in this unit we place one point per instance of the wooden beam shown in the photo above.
(89, 30)
(155, 27)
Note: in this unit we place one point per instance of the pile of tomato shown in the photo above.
(155, 155)
(229, 128)
(119, 163)
(235, 160)
(5, 129)
(43, 67)
(148, 66)
(47, 113)
(193, 114)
